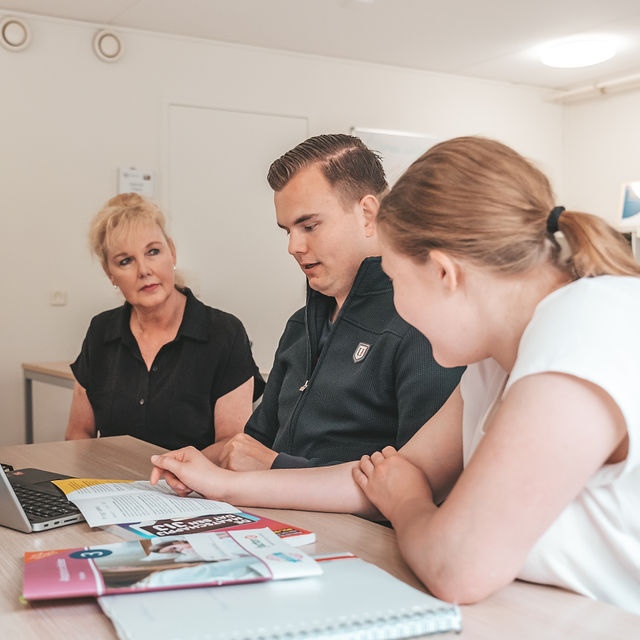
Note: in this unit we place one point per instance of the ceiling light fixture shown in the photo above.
(577, 52)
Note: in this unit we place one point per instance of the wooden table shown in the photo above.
(519, 611)
(56, 373)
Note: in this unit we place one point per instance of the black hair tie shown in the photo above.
(552, 220)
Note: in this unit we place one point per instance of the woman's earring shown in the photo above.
(174, 267)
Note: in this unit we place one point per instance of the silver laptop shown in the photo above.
(30, 502)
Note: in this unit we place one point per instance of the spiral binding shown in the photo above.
(390, 625)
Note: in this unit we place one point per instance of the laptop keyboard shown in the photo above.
(38, 505)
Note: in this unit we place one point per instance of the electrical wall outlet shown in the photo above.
(58, 298)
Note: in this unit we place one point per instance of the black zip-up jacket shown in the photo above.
(373, 384)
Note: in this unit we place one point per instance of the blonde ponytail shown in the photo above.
(595, 247)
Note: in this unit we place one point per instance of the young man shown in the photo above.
(349, 376)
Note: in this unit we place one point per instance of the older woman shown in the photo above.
(163, 367)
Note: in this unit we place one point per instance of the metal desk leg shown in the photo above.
(28, 410)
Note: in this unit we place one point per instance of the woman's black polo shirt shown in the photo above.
(172, 404)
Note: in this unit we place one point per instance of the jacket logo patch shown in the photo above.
(361, 351)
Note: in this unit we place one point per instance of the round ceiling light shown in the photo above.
(577, 52)
(14, 34)
(107, 46)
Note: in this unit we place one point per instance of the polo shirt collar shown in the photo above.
(193, 325)
(120, 329)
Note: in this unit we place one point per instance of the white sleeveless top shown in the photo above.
(589, 329)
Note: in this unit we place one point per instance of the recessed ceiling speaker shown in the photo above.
(14, 34)
(107, 45)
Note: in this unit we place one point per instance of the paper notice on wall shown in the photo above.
(135, 181)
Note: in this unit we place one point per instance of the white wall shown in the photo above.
(602, 139)
(69, 120)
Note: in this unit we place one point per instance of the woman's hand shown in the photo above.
(187, 470)
(391, 482)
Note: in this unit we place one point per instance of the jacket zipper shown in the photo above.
(312, 372)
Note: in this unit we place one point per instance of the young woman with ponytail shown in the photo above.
(531, 469)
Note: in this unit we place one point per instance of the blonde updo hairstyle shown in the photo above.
(480, 200)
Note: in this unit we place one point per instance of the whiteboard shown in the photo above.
(222, 218)
(398, 149)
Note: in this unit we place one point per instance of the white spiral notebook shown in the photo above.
(351, 600)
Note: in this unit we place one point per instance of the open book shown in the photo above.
(249, 555)
(105, 502)
(132, 509)
(351, 600)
